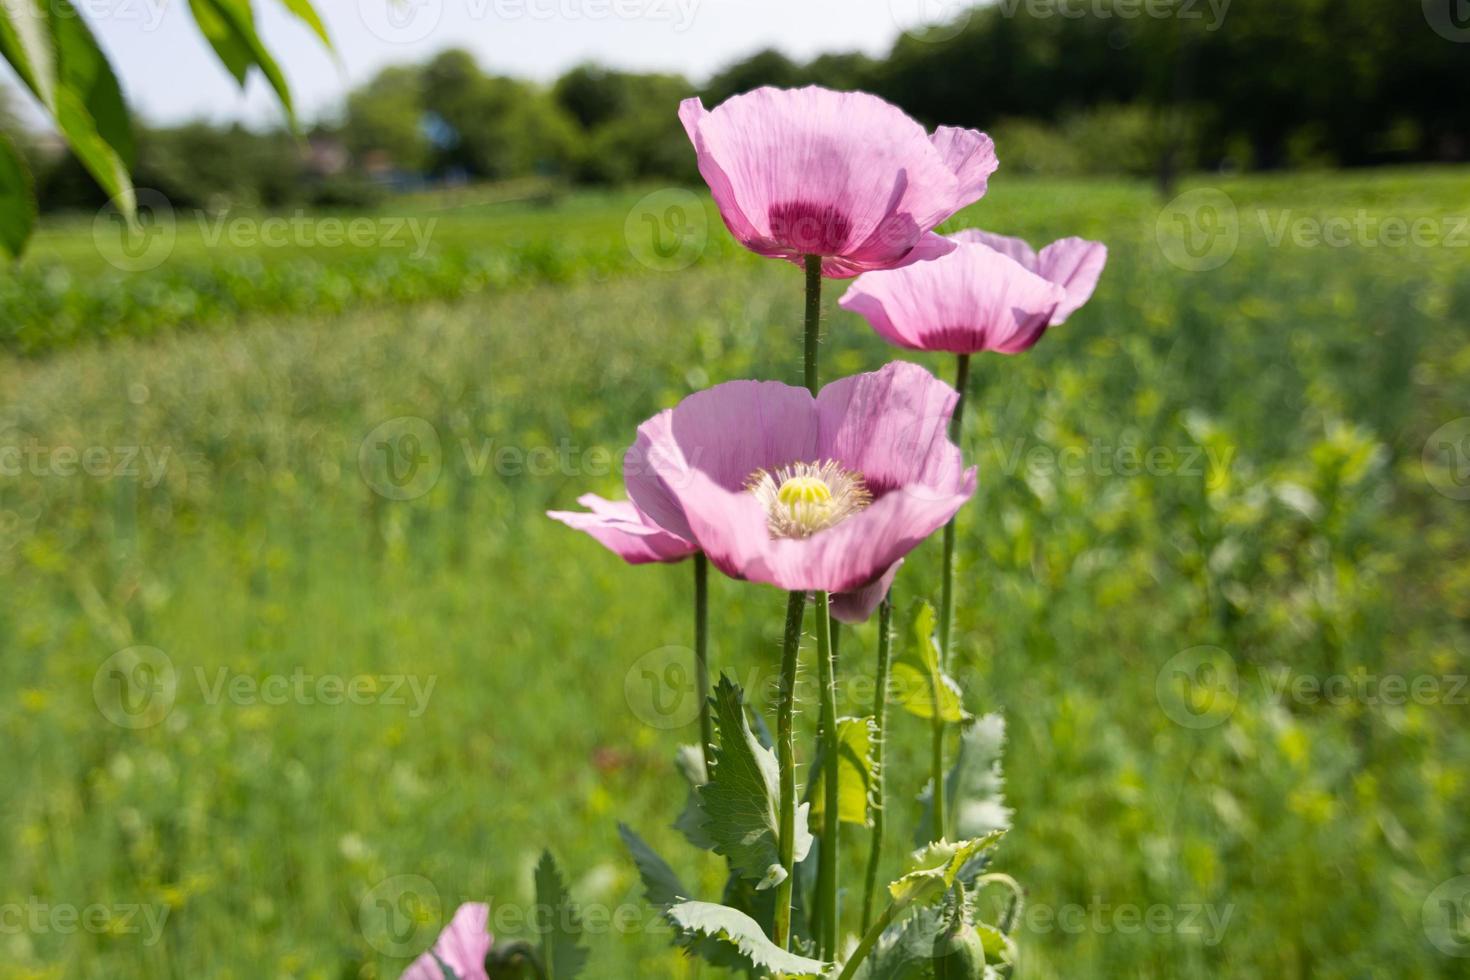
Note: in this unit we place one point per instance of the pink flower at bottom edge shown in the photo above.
(462, 946)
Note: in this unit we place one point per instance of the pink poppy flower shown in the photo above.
(624, 530)
(826, 493)
(1075, 264)
(462, 946)
(843, 175)
(979, 298)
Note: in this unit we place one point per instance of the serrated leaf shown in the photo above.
(661, 885)
(54, 53)
(562, 955)
(307, 14)
(974, 787)
(856, 773)
(229, 27)
(999, 948)
(934, 869)
(740, 800)
(689, 760)
(17, 200)
(920, 685)
(84, 70)
(742, 938)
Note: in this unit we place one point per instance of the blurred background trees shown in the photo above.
(1289, 84)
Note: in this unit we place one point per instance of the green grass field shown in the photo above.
(1230, 458)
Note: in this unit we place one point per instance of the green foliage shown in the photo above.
(661, 884)
(741, 938)
(974, 788)
(934, 869)
(856, 774)
(52, 50)
(920, 685)
(563, 956)
(17, 202)
(1293, 524)
(739, 803)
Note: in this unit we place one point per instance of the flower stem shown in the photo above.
(880, 720)
(938, 749)
(701, 652)
(786, 762)
(827, 880)
(946, 598)
(946, 601)
(813, 319)
(869, 940)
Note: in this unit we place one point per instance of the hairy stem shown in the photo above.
(813, 320)
(938, 763)
(869, 940)
(880, 719)
(946, 596)
(701, 652)
(827, 881)
(786, 761)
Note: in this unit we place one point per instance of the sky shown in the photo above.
(169, 74)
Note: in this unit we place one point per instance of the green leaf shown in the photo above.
(740, 801)
(85, 71)
(661, 885)
(52, 50)
(919, 685)
(17, 200)
(307, 14)
(974, 788)
(856, 774)
(229, 27)
(935, 868)
(562, 955)
(690, 823)
(739, 934)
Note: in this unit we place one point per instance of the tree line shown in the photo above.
(1149, 87)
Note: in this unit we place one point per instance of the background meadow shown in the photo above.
(1202, 495)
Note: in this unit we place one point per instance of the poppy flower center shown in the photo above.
(810, 229)
(804, 498)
